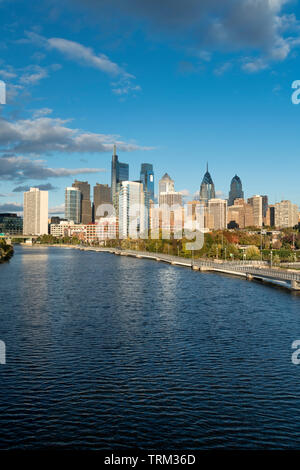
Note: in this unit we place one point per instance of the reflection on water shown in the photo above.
(113, 352)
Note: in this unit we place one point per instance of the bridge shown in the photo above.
(250, 270)
(8, 238)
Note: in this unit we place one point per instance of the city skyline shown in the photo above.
(72, 92)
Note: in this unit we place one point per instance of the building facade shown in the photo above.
(119, 173)
(236, 190)
(217, 210)
(207, 188)
(165, 185)
(147, 180)
(86, 206)
(73, 204)
(35, 212)
(102, 196)
(286, 214)
(133, 217)
(11, 224)
(257, 204)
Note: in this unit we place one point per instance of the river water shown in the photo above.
(109, 352)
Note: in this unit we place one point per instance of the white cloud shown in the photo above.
(86, 56)
(19, 168)
(254, 65)
(47, 135)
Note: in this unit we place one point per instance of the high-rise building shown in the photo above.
(147, 179)
(11, 224)
(165, 185)
(257, 203)
(102, 195)
(265, 205)
(170, 198)
(236, 190)
(286, 214)
(133, 219)
(73, 204)
(119, 173)
(86, 207)
(207, 188)
(35, 212)
(217, 210)
(240, 215)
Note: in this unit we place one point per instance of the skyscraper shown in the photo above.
(217, 209)
(73, 204)
(147, 179)
(165, 185)
(257, 204)
(286, 214)
(102, 195)
(35, 212)
(119, 173)
(236, 190)
(132, 211)
(86, 207)
(207, 188)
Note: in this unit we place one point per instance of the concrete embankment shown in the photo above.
(250, 271)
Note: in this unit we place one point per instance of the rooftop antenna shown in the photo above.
(207, 167)
(115, 150)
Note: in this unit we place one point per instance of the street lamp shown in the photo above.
(271, 258)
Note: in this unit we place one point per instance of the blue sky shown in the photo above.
(173, 84)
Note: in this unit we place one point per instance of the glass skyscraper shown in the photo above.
(207, 188)
(236, 190)
(147, 180)
(119, 173)
(73, 204)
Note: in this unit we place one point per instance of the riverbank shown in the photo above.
(248, 270)
(6, 251)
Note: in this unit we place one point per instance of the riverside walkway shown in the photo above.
(250, 270)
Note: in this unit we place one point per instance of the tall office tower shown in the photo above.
(240, 214)
(86, 207)
(35, 212)
(207, 188)
(286, 214)
(147, 179)
(102, 195)
(133, 217)
(73, 204)
(265, 205)
(257, 203)
(170, 198)
(236, 190)
(270, 216)
(166, 184)
(217, 210)
(119, 173)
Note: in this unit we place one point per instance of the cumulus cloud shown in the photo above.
(258, 25)
(42, 187)
(47, 135)
(11, 207)
(19, 168)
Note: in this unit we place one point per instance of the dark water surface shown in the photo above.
(108, 352)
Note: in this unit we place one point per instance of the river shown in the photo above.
(110, 352)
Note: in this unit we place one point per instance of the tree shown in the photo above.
(253, 253)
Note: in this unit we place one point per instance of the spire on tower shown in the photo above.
(115, 150)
